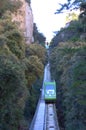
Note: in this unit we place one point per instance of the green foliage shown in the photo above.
(71, 16)
(31, 102)
(68, 68)
(38, 37)
(38, 50)
(70, 5)
(34, 69)
(34, 66)
(74, 32)
(34, 62)
(10, 5)
(11, 36)
(12, 91)
(20, 67)
(82, 15)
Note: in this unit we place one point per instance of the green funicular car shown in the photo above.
(50, 92)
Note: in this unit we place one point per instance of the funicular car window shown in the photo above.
(50, 89)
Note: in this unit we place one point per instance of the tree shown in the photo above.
(38, 37)
(12, 36)
(71, 16)
(68, 68)
(13, 90)
(70, 5)
(9, 5)
(82, 16)
(35, 55)
(18, 70)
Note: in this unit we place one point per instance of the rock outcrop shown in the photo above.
(24, 19)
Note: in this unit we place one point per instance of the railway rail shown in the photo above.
(51, 122)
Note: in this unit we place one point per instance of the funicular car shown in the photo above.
(50, 92)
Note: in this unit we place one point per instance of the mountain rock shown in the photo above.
(24, 18)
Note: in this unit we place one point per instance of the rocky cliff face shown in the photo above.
(24, 19)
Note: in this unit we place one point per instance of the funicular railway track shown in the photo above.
(51, 122)
(45, 117)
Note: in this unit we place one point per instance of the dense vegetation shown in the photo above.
(73, 31)
(75, 28)
(68, 68)
(9, 5)
(69, 59)
(21, 72)
(70, 5)
(38, 37)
